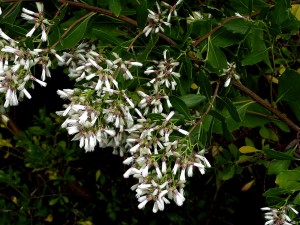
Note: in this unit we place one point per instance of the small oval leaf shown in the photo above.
(248, 149)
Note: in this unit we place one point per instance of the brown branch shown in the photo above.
(208, 108)
(111, 14)
(265, 104)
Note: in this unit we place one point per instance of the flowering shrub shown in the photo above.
(173, 87)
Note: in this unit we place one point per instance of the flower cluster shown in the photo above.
(157, 20)
(230, 73)
(99, 112)
(15, 74)
(102, 113)
(38, 19)
(279, 216)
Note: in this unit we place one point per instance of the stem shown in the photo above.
(265, 104)
(111, 14)
(133, 40)
(199, 40)
(208, 108)
(12, 8)
(70, 28)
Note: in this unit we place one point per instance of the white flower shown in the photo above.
(38, 19)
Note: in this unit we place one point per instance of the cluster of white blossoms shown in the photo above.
(279, 216)
(157, 20)
(16, 61)
(38, 19)
(100, 112)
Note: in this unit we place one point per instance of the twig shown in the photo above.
(111, 14)
(198, 41)
(70, 28)
(133, 40)
(208, 108)
(12, 8)
(265, 104)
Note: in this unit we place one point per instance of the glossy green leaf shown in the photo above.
(192, 100)
(216, 58)
(53, 201)
(273, 192)
(226, 132)
(288, 91)
(115, 6)
(268, 133)
(231, 109)
(257, 55)
(142, 14)
(278, 155)
(228, 172)
(74, 36)
(297, 199)
(238, 26)
(180, 106)
(105, 35)
(289, 180)
(205, 86)
(277, 166)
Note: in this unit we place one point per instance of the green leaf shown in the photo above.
(238, 26)
(115, 6)
(248, 149)
(254, 119)
(281, 11)
(144, 54)
(11, 17)
(224, 38)
(98, 174)
(226, 132)
(277, 166)
(268, 133)
(289, 180)
(231, 108)
(228, 172)
(255, 56)
(278, 155)
(275, 192)
(215, 58)
(297, 199)
(180, 106)
(142, 14)
(205, 86)
(289, 91)
(53, 201)
(105, 35)
(74, 36)
(192, 100)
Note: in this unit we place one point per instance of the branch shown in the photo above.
(199, 40)
(265, 104)
(208, 108)
(70, 28)
(111, 14)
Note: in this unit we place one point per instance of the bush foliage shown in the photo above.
(199, 99)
